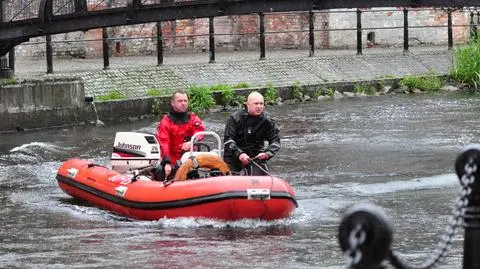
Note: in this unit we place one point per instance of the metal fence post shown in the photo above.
(450, 30)
(211, 40)
(359, 32)
(49, 52)
(472, 30)
(262, 36)
(311, 32)
(405, 30)
(11, 59)
(106, 60)
(159, 43)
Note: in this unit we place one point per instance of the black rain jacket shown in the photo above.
(247, 134)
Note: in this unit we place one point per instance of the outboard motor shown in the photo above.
(133, 151)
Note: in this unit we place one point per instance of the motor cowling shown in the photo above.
(132, 151)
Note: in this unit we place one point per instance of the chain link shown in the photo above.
(455, 220)
(356, 238)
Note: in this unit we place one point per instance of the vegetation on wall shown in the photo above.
(363, 88)
(297, 93)
(152, 92)
(241, 85)
(111, 95)
(270, 95)
(429, 83)
(7, 81)
(200, 99)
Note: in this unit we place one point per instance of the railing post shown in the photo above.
(469, 161)
(405, 30)
(472, 27)
(5, 71)
(450, 30)
(11, 59)
(159, 43)
(359, 32)
(1, 11)
(106, 50)
(49, 52)
(211, 40)
(262, 36)
(311, 32)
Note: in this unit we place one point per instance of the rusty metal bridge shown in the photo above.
(24, 19)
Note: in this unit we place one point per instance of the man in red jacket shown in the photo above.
(175, 130)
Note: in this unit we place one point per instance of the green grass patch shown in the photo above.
(297, 93)
(318, 92)
(111, 95)
(7, 81)
(466, 64)
(241, 85)
(423, 83)
(152, 92)
(329, 92)
(200, 99)
(387, 77)
(270, 94)
(227, 93)
(362, 88)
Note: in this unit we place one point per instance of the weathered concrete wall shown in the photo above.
(41, 103)
(241, 33)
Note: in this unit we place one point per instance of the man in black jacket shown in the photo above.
(245, 135)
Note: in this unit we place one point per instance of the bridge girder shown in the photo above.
(135, 13)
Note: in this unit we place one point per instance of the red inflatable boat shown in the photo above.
(223, 197)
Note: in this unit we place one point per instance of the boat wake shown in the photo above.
(32, 153)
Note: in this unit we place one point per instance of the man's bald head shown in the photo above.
(255, 104)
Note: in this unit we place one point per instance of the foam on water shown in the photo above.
(414, 184)
(27, 147)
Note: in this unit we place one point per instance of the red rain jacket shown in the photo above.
(172, 132)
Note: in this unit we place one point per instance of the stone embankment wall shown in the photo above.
(241, 33)
(40, 103)
(45, 103)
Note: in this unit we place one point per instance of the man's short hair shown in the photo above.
(177, 91)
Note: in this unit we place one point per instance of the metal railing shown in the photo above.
(307, 31)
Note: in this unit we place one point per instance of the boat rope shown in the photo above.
(455, 221)
(271, 183)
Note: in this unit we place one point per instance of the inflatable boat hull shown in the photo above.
(223, 198)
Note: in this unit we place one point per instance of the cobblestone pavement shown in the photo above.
(133, 76)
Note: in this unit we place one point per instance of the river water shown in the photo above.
(396, 151)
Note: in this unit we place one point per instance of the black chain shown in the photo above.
(455, 221)
(355, 239)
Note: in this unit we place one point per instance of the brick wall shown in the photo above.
(192, 35)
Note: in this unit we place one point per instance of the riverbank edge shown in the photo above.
(120, 111)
